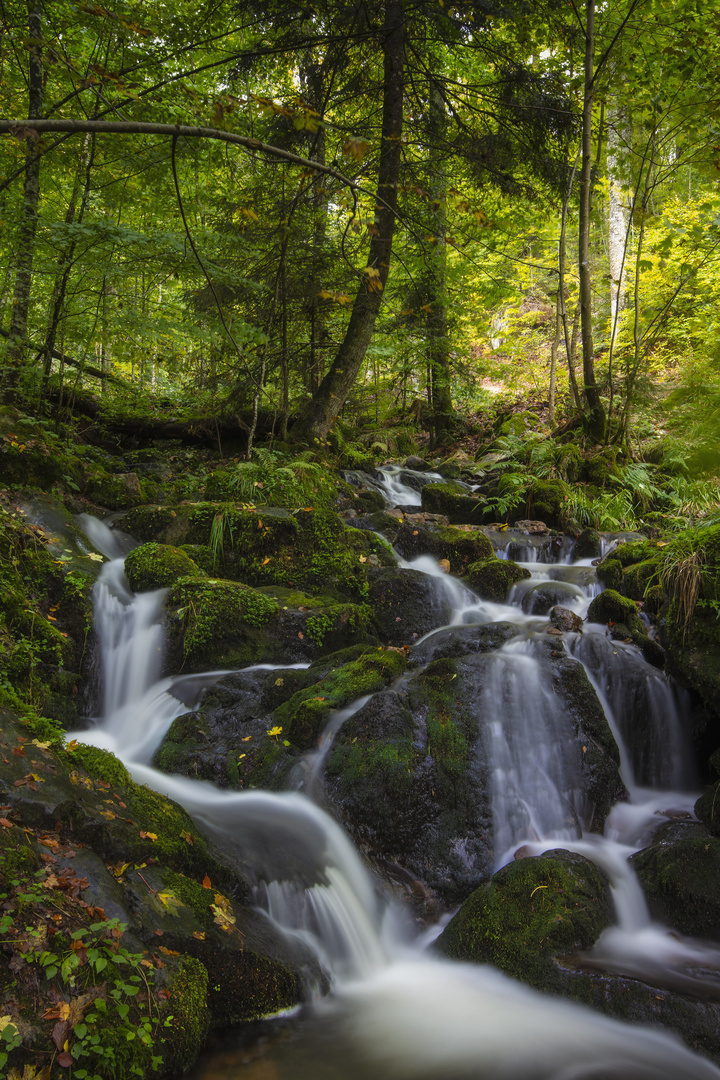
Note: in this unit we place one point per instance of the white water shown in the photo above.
(394, 1014)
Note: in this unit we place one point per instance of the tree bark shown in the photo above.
(595, 413)
(17, 346)
(437, 322)
(318, 417)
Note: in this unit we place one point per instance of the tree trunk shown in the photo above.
(320, 414)
(616, 223)
(595, 414)
(28, 223)
(438, 341)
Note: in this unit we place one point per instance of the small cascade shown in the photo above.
(394, 1014)
(398, 486)
(536, 789)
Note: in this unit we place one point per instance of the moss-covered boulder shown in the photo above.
(460, 547)
(88, 856)
(587, 545)
(116, 491)
(213, 623)
(546, 500)
(533, 911)
(493, 578)
(457, 505)
(158, 566)
(406, 604)
(679, 873)
(539, 599)
(611, 607)
(610, 572)
(305, 549)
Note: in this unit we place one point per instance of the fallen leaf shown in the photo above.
(147, 835)
(207, 883)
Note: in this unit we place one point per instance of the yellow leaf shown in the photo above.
(274, 732)
(148, 836)
(187, 837)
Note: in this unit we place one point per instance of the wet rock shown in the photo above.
(158, 566)
(493, 578)
(406, 604)
(679, 874)
(532, 528)
(547, 594)
(461, 548)
(461, 640)
(587, 545)
(533, 911)
(610, 606)
(564, 619)
(417, 464)
(453, 502)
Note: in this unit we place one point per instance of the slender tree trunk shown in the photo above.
(437, 322)
(616, 223)
(321, 412)
(28, 223)
(64, 263)
(594, 411)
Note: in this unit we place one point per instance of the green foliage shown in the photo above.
(274, 479)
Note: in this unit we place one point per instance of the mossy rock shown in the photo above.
(493, 578)
(679, 873)
(519, 424)
(158, 566)
(461, 548)
(406, 604)
(368, 502)
(454, 502)
(303, 717)
(639, 577)
(116, 492)
(610, 606)
(610, 572)
(533, 911)
(600, 468)
(587, 545)
(569, 462)
(546, 502)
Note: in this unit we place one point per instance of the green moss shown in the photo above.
(115, 492)
(519, 424)
(547, 500)
(147, 523)
(99, 764)
(158, 566)
(454, 502)
(219, 620)
(190, 1014)
(639, 577)
(493, 578)
(532, 911)
(587, 545)
(304, 715)
(461, 548)
(610, 573)
(610, 606)
(679, 876)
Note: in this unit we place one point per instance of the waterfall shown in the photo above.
(394, 1014)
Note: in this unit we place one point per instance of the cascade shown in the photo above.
(395, 1013)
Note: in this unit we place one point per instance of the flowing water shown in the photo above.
(395, 1013)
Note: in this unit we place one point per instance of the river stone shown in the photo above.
(461, 640)
(564, 619)
(547, 594)
(454, 502)
(587, 545)
(458, 546)
(532, 911)
(679, 873)
(493, 578)
(406, 604)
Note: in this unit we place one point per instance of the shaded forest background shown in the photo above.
(409, 213)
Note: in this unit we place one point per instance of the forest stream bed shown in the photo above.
(334, 751)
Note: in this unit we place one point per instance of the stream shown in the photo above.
(396, 1012)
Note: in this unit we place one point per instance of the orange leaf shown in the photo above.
(207, 883)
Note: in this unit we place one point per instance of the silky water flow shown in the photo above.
(394, 1012)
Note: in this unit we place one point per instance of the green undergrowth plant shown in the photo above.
(74, 1002)
(274, 479)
